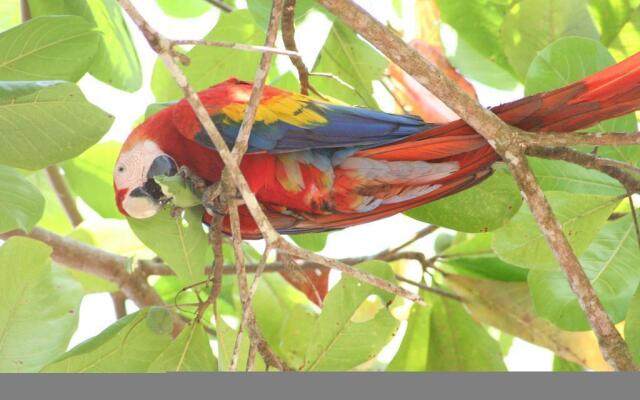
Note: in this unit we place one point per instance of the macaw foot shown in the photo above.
(195, 183)
(213, 200)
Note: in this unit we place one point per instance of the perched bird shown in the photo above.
(316, 166)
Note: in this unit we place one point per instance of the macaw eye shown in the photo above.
(121, 168)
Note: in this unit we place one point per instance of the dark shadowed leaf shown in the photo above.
(48, 48)
(46, 122)
(21, 204)
(521, 243)
(40, 305)
(482, 208)
(129, 345)
(531, 25)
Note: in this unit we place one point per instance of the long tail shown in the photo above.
(610, 93)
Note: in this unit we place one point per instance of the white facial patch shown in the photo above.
(131, 172)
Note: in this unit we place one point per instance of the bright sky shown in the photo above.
(97, 312)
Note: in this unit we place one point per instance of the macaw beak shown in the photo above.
(147, 200)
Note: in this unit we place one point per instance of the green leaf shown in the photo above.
(210, 65)
(611, 16)
(531, 25)
(296, 334)
(563, 176)
(349, 325)
(40, 306)
(90, 176)
(226, 342)
(617, 21)
(478, 53)
(176, 188)
(273, 302)
(562, 365)
(610, 262)
(354, 62)
(48, 48)
(46, 122)
(414, 349)
(181, 243)
(189, 352)
(457, 342)
(474, 257)
(129, 345)
(21, 204)
(184, 8)
(116, 62)
(482, 208)
(311, 241)
(521, 243)
(632, 326)
(261, 10)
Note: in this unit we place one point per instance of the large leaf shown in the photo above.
(296, 334)
(413, 353)
(507, 306)
(478, 53)
(520, 241)
(181, 243)
(54, 218)
(457, 342)
(189, 352)
(48, 48)
(210, 65)
(46, 122)
(632, 327)
(129, 345)
(474, 257)
(347, 327)
(116, 62)
(39, 310)
(610, 262)
(21, 204)
(531, 25)
(184, 8)
(272, 304)
(90, 176)
(261, 10)
(354, 62)
(226, 341)
(482, 208)
(563, 176)
(311, 241)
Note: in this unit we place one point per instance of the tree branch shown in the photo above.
(581, 138)
(236, 46)
(508, 142)
(62, 191)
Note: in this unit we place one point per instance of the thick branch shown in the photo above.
(582, 138)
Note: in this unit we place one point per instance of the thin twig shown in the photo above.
(581, 138)
(589, 161)
(419, 235)
(236, 46)
(438, 291)
(289, 39)
(221, 5)
(634, 215)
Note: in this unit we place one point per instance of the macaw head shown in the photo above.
(137, 193)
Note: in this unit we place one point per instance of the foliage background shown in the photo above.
(506, 48)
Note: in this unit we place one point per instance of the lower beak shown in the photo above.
(140, 203)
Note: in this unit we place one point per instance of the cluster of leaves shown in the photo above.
(498, 260)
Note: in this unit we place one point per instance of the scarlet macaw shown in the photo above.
(316, 166)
